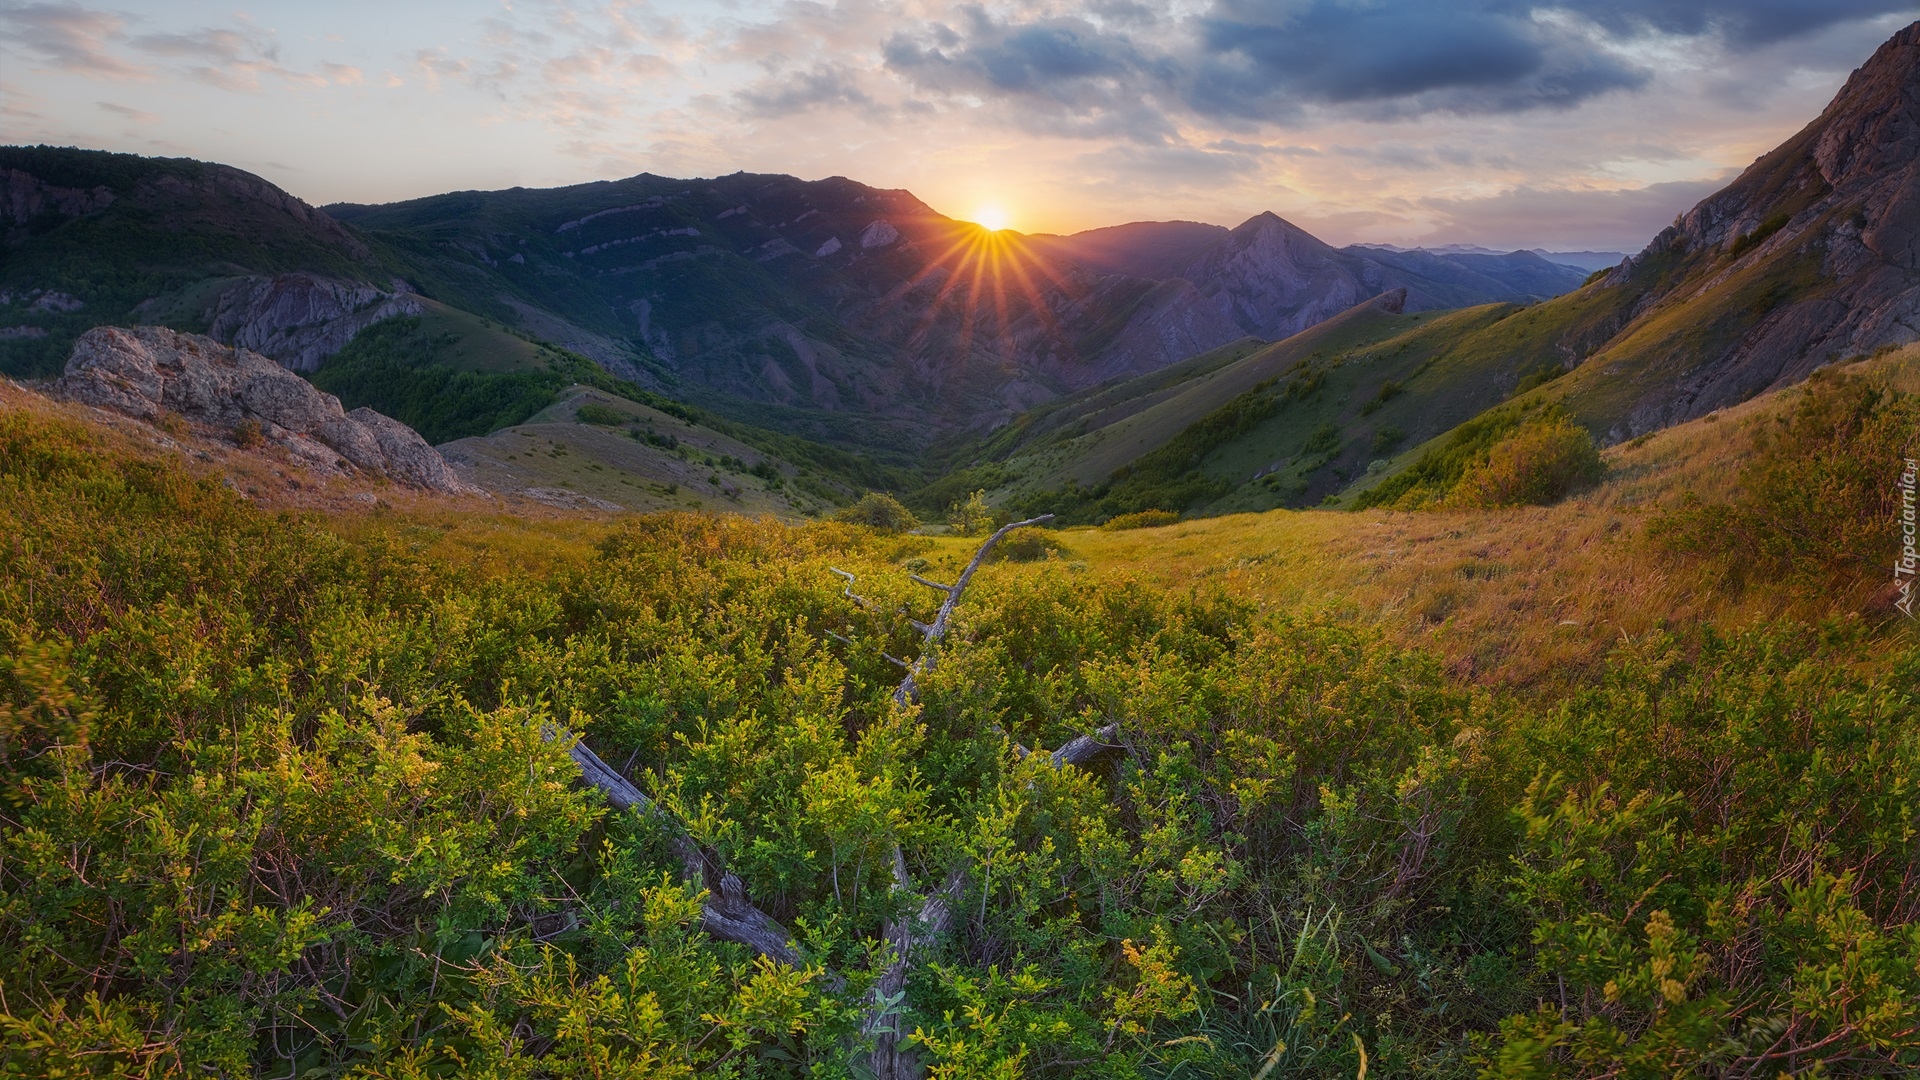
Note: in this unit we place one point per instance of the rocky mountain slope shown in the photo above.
(829, 309)
(166, 377)
(1809, 257)
(1274, 279)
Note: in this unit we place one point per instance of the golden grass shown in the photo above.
(1531, 597)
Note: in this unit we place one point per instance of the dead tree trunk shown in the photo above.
(937, 629)
(728, 915)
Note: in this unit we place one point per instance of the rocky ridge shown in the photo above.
(149, 372)
(301, 319)
(1810, 256)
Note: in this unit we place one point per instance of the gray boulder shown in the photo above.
(147, 371)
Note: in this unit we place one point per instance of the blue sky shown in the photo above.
(1587, 123)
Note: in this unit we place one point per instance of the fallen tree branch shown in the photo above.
(938, 628)
(726, 913)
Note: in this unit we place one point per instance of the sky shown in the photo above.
(1581, 125)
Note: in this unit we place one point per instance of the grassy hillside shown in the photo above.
(1289, 424)
(595, 449)
(280, 794)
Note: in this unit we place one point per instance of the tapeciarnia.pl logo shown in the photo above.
(1909, 561)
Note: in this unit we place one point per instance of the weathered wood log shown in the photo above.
(937, 629)
(1084, 750)
(726, 913)
(888, 1060)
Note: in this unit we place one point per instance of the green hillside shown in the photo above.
(298, 793)
(1252, 428)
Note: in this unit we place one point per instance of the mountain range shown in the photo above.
(856, 335)
(766, 297)
(1806, 259)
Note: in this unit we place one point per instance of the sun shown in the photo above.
(990, 217)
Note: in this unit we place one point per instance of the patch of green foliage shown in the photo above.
(401, 368)
(1031, 544)
(1171, 476)
(1760, 234)
(603, 415)
(280, 800)
(880, 512)
(970, 516)
(1541, 462)
(1387, 392)
(1430, 478)
(1818, 506)
(1140, 519)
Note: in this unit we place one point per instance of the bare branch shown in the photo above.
(934, 917)
(931, 584)
(726, 913)
(847, 589)
(932, 635)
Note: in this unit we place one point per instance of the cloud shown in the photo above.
(70, 38)
(1565, 218)
(1283, 61)
(231, 59)
(822, 85)
(1743, 23)
(135, 115)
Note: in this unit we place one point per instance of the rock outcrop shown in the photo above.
(301, 319)
(1811, 255)
(148, 371)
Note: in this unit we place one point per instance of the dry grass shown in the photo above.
(1528, 597)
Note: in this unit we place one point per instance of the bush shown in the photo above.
(1144, 519)
(1817, 505)
(1029, 545)
(972, 517)
(879, 511)
(1439, 469)
(1540, 463)
(247, 434)
(595, 413)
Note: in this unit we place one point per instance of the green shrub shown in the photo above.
(1439, 468)
(1818, 505)
(880, 511)
(1540, 463)
(604, 415)
(1141, 519)
(972, 517)
(277, 797)
(1030, 545)
(1323, 439)
(1387, 438)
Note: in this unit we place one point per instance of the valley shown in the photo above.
(767, 628)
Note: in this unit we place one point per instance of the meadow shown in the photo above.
(1533, 792)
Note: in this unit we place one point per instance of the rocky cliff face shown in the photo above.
(1812, 255)
(25, 198)
(301, 319)
(148, 371)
